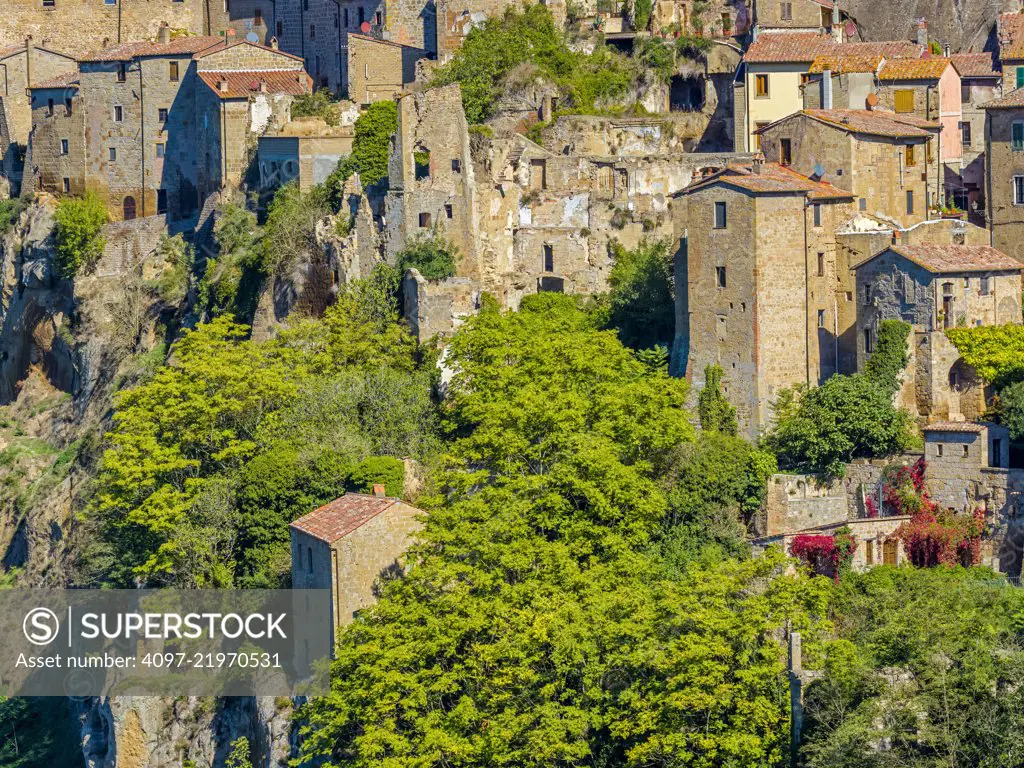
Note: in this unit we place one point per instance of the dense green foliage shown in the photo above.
(539, 625)
(640, 304)
(10, 210)
(77, 233)
(1011, 410)
(320, 104)
(39, 733)
(890, 356)
(369, 158)
(926, 662)
(848, 417)
(239, 253)
(716, 413)
(211, 459)
(384, 470)
(996, 352)
(502, 44)
(434, 256)
(289, 234)
(642, 13)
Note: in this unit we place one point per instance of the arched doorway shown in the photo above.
(129, 208)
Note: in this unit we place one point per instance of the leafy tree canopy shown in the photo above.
(434, 256)
(996, 352)
(78, 225)
(716, 413)
(890, 356)
(640, 303)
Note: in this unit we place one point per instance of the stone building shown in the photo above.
(305, 150)
(756, 283)
(1004, 182)
(1010, 37)
(350, 546)
(77, 26)
(379, 70)
(160, 124)
(882, 158)
(935, 287)
(20, 67)
(980, 83)
(807, 15)
(874, 543)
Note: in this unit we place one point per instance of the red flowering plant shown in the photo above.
(942, 537)
(825, 555)
(903, 491)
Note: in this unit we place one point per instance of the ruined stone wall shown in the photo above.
(413, 23)
(1006, 219)
(435, 309)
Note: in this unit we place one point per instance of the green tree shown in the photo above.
(384, 470)
(890, 357)
(320, 104)
(1011, 410)
(240, 754)
(996, 352)
(848, 417)
(289, 235)
(237, 236)
(77, 233)
(535, 627)
(926, 662)
(716, 413)
(434, 256)
(640, 304)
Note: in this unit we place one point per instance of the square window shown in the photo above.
(1018, 190)
(817, 214)
(786, 11)
(424, 220)
(1017, 137)
(985, 286)
(49, 107)
(68, 107)
(312, 31)
(549, 258)
(63, 146)
(720, 216)
(257, 17)
(904, 101)
(1020, 74)
(821, 318)
(720, 279)
(821, 264)
(761, 86)
(456, 165)
(173, 71)
(869, 338)
(863, 203)
(280, 29)
(786, 151)
(911, 156)
(122, 72)
(161, 201)
(938, 450)
(967, 451)
(448, 210)
(965, 133)
(49, 3)
(910, 201)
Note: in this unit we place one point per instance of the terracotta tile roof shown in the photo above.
(913, 69)
(788, 47)
(975, 64)
(179, 46)
(971, 427)
(873, 122)
(345, 514)
(773, 178)
(244, 83)
(942, 259)
(66, 80)
(890, 49)
(1013, 100)
(223, 44)
(1011, 36)
(841, 61)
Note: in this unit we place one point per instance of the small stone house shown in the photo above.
(349, 545)
(957, 452)
(1010, 36)
(380, 70)
(934, 287)
(883, 159)
(1004, 174)
(306, 150)
(873, 539)
(756, 283)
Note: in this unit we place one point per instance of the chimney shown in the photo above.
(273, 43)
(30, 48)
(378, 491)
(945, 50)
(222, 86)
(757, 164)
(922, 33)
(163, 35)
(826, 89)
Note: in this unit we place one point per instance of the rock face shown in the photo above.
(964, 25)
(147, 732)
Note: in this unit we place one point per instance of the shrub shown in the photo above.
(434, 257)
(825, 555)
(378, 470)
(642, 13)
(10, 210)
(656, 55)
(318, 104)
(1011, 410)
(890, 356)
(716, 413)
(996, 352)
(79, 222)
(640, 305)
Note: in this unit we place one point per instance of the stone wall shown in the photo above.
(379, 70)
(48, 164)
(17, 72)
(1006, 219)
(436, 309)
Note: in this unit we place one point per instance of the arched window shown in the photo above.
(129, 208)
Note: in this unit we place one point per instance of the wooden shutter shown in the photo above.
(904, 101)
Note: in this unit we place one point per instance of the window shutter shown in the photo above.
(1018, 135)
(1020, 77)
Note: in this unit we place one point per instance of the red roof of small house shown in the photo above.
(788, 47)
(975, 64)
(65, 80)
(841, 61)
(874, 122)
(1013, 100)
(969, 427)
(345, 514)
(1011, 36)
(913, 69)
(186, 45)
(946, 259)
(771, 178)
(242, 84)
